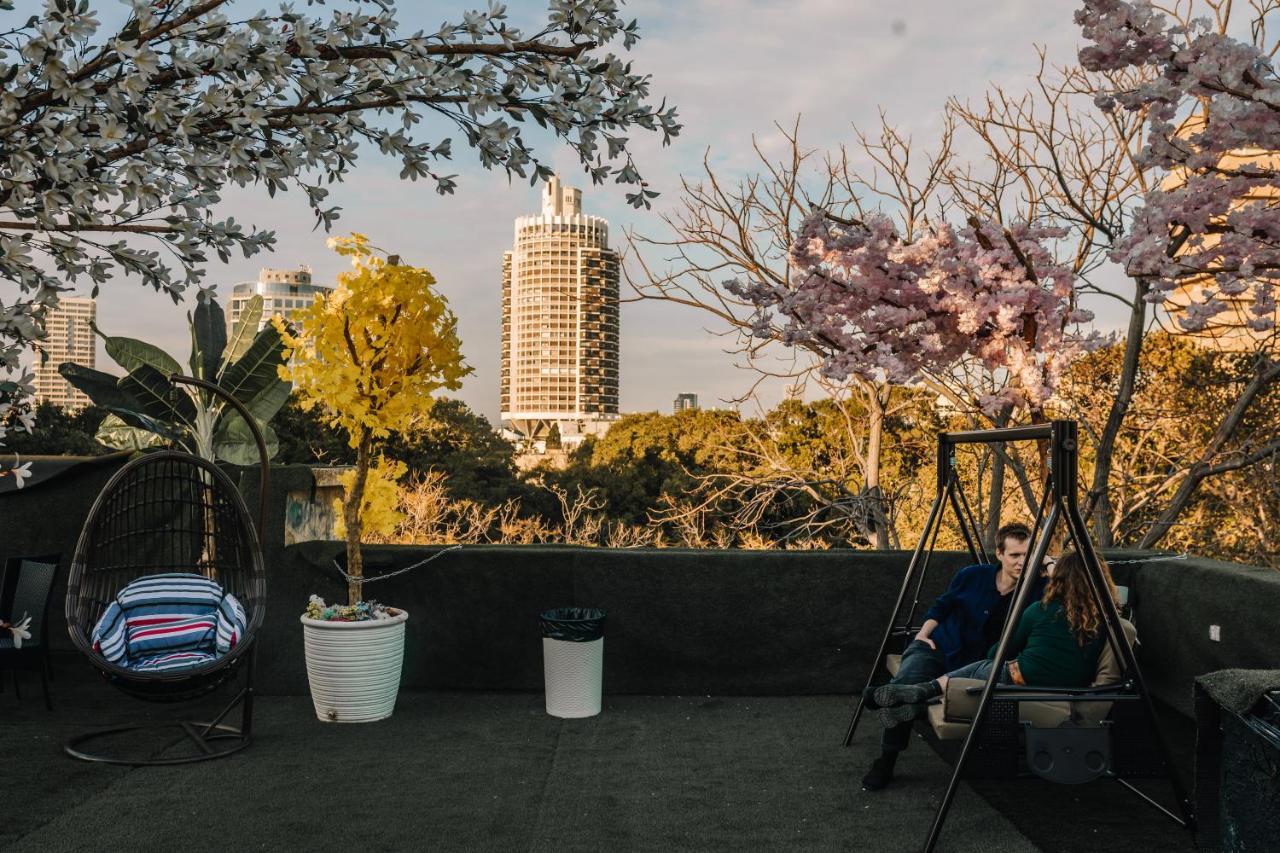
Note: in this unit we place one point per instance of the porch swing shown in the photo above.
(163, 512)
(1063, 735)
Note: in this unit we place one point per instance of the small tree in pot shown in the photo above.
(370, 355)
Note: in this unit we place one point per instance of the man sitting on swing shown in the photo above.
(1057, 643)
(958, 629)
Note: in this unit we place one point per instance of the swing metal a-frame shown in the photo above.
(1058, 506)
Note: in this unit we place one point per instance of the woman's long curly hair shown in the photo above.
(1070, 585)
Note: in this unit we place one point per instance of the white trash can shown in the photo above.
(573, 661)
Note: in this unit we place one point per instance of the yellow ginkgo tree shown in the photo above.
(371, 354)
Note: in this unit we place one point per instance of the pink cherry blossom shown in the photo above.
(1214, 126)
(880, 308)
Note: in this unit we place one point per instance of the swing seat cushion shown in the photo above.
(950, 718)
(169, 621)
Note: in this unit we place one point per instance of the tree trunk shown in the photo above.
(1099, 503)
(994, 502)
(351, 518)
(877, 401)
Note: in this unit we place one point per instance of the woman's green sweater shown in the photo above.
(1047, 651)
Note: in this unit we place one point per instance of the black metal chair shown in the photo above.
(163, 512)
(27, 589)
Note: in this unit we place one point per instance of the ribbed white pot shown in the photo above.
(574, 677)
(354, 667)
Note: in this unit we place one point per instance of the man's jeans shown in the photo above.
(920, 663)
(981, 670)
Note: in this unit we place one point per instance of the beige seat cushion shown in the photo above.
(958, 705)
(946, 729)
(892, 662)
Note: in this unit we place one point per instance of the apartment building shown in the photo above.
(560, 322)
(283, 292)
(70, 338)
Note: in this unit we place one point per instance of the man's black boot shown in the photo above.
(881, 772)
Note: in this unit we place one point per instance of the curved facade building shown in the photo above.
(560, 322)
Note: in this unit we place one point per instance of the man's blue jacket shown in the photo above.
(962, 612)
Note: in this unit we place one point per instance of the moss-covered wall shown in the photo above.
(1175, 603)
(45, 518)
(680, 622)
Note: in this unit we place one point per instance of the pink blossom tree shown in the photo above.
(1215, 220)
(1213, 98)
(881, 307)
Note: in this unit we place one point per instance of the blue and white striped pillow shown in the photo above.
(171, 660)
(158, 616)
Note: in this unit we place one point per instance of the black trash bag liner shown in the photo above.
(573, 624)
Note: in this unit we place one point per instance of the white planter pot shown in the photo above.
(354, 667)
(574, 677)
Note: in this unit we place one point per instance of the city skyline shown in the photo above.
(719, 68)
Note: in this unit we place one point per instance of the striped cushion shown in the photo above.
(155, 618)
(171, 660)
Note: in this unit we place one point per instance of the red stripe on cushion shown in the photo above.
(199, 627)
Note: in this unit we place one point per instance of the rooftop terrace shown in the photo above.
(491, 771)
(728, 678)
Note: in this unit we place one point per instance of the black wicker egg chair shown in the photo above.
(169, 511)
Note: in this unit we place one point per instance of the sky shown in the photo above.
(733, 68)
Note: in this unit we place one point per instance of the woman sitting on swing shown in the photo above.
(1056, 644)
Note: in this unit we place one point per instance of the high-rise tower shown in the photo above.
(70, 338)
(560, 322)
(284, 293)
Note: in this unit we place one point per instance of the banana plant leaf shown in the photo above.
(233, 441)
(231, 426)
(257, 369)
(114, 432)
(156, 397)
(146, 423)
(267, 402)
(243, 334)
(130, 353)
(208, 337)
(103, 388)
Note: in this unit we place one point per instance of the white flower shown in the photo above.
(21, 473)
(19, 631)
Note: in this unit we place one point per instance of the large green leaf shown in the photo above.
(114, 432)
(103, 388)
(267, 402)
(106, 392)
(257, 369)
(242, 335)
(146, 423)
(130, 353)
(208, 337)
(156, 396)
(233, 442)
